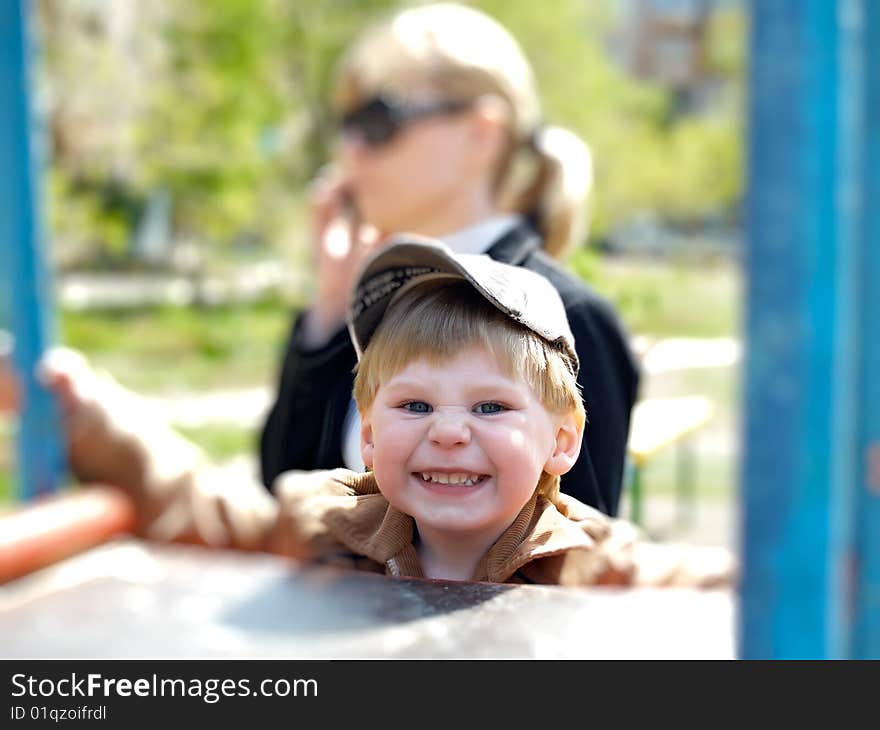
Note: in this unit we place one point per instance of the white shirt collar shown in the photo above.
(479, 237)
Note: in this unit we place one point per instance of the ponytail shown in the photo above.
(555, 199)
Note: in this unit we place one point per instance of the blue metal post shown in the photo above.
(866, 630)
(798, 461)
(25, 275)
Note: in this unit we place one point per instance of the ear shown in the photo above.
(566, 447)
(490, 124)
(366, 441)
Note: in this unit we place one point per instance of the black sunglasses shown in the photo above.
(378, 120)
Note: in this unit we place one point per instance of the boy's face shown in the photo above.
(460, 446)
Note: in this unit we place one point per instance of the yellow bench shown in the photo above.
(659, 423)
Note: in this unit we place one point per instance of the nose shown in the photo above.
(449, 428)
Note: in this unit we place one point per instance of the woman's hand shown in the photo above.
(342, 242)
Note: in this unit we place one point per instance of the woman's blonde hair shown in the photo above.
(436, 320)
(545, 172)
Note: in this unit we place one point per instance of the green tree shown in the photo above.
(223, 103)
(684, 170)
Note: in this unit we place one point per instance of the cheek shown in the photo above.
(449, 165)
(433, 158)
(393, 443)
(391, 192)
(527, 449)
(391, 457)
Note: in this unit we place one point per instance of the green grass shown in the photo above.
(173, 348)
(6, 459)
(222, 442)
(6, 485)
(679, 299)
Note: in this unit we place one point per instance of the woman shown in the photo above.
(441, 135)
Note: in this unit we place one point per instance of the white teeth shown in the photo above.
(441, 478)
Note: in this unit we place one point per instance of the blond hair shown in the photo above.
(545, 173)
(435, 320)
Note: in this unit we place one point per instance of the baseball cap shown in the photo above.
(524, 296)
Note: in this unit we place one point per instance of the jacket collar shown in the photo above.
(515, 245)
(359, 517)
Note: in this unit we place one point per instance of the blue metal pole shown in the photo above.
(797, 480)
(25, 275)
(866, 629)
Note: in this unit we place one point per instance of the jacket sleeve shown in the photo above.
(178, 495)
(609, 380)
(309, 380)
(300, 530)
(619, 554)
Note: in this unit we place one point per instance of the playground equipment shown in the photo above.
(811, 529)
(24, 277)
(659, 424)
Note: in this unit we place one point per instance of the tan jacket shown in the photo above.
(340, 518)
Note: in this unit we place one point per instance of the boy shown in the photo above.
(466, 386)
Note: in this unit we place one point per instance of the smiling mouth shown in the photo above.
(461, 479)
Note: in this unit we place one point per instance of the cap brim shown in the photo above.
(397, 268)
(410, 259)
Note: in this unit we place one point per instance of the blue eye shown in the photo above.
(417, 406)
(488, 408)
